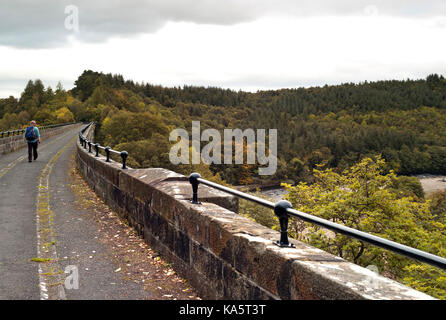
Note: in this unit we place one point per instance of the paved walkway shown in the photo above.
(44, 232)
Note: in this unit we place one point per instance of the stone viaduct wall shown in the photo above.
(221, 254)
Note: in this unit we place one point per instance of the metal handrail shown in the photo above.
(283, 209)
(15, 132)
(85, 142)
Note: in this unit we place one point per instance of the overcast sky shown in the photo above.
(238, 44)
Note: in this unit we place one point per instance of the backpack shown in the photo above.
(30, 134)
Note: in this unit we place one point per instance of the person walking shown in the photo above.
(32, 136)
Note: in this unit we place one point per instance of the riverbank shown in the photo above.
(430, 184)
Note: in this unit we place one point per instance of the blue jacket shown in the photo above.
(37, 135)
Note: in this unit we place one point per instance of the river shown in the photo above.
(430, 184)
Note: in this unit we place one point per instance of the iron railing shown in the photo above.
(10, 133)
(108, 150)
(283, 210)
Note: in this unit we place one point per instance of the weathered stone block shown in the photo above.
(205, 262)
(182, 246)
(238, 287)
(196, 225)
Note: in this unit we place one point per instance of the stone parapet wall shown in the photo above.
(224, 255)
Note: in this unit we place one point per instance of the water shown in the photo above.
(275, 194)
(430, 184)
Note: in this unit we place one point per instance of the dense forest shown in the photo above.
(332, 126)
(324, 134)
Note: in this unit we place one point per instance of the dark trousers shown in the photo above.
(32, 150)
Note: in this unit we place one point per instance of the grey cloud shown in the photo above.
(40, 23)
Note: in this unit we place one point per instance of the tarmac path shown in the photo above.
(18, 236)
(50, 249)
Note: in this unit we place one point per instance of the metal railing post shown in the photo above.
(96, 146)
(280, 211)
(89, 146)
(193, 179)
(124, 155)
(107, 152)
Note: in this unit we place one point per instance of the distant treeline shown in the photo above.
(330, 126)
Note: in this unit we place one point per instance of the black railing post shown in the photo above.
(96, 146)
(280, 211)
(107, 152)
(124, 155)
(8, 133)
(89, 146)
(85, 144)
(193, 179)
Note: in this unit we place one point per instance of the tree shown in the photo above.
(362, 198)
(438, 206)
(9, 121)
(59, 88)
(126, 126)
(64, 115)
(23, 118)
(44, 117)
(408, 187)
(296, 168)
